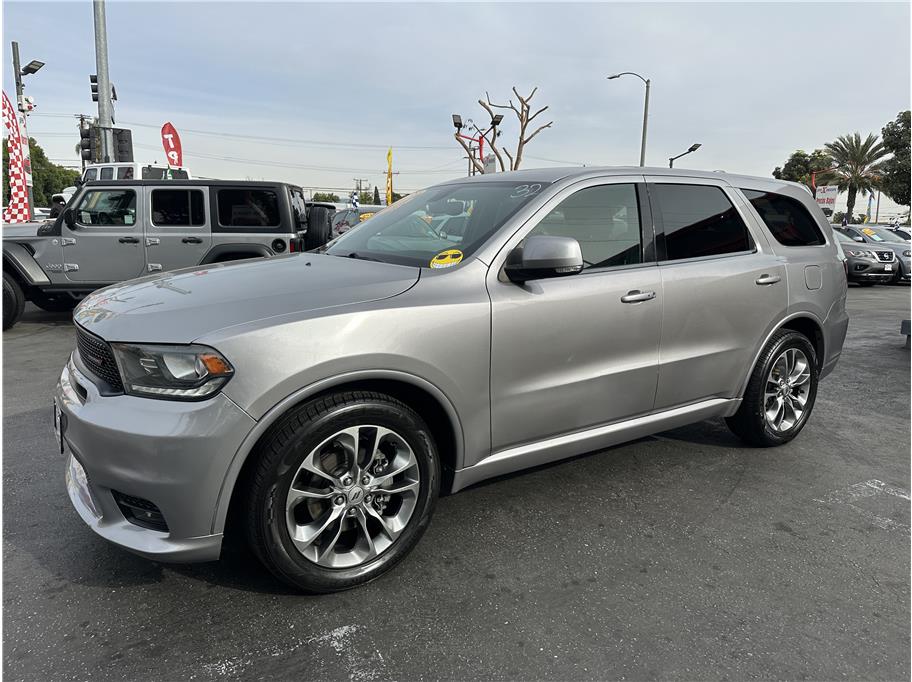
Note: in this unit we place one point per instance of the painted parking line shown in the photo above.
(872, 488)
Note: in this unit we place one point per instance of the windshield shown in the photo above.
(436, 227)
(879, 234)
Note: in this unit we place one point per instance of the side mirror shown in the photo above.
(69, 218)
(540, 257)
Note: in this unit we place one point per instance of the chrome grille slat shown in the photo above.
(98, 358)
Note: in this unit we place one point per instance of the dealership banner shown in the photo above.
(172, 143)
(826, 196)
(19, 171)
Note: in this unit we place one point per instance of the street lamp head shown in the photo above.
(611, 78)
(32, 67)
(694, 147)
(457, 121)
(497, 119)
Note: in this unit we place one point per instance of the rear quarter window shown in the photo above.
(787, 219)
(252, 209)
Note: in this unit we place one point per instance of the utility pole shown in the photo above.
(23, 128)
(105, 106)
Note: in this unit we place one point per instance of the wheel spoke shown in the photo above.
(409, 463)
(390, 532)
(399, 488)
(328, 548)
(304, 536)
(295, 495)
(374, 449)
(310, 465)
(362, 523)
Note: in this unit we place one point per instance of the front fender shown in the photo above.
(17, 257)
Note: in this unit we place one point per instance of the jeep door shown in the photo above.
(569, 353)
(178, 233)
(724, 289)
(105, 245)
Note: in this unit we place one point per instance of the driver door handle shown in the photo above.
(128, 240)
(637, 296)
(192, 240)
(764, 280)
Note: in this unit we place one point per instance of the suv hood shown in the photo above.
(19, 230)
(183, 305)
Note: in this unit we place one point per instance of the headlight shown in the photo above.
(171, 372)
(860, 254)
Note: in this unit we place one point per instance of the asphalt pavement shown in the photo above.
(686, 555)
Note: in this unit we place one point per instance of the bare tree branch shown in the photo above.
(537, 113)
(478, 166)
(529, 139)
(492, 141)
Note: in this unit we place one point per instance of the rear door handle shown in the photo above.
(192, 240)
(128, 240)
(765, 280)
(637, 296)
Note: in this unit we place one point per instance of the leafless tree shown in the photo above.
(524, 115)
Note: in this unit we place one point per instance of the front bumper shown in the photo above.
(173, 454)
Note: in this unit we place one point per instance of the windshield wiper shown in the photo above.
(361, 256)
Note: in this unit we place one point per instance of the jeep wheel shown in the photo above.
(60, 303)
(343, 488)
(781, 392)
(13, 301)
(318, 228)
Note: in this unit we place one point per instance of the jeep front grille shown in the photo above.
(98, 358)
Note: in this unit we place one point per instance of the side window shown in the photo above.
(605, 220)
(107, 173)
(90, 174)
(298, 206)
(107, 208)
(125, 173)
(178, 207)
(248, 208)
(786, 218)
(699, 220)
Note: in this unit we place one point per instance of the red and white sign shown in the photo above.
(19, 171)
(172, 143)
(826, 196)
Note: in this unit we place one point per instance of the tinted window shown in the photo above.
(91, 174)
(786, 218)
(125, 173)
(298, 206)
(107, 173)
(248, 208)
(699, 221)
(107, 207)
(177, 207)
(605, 220)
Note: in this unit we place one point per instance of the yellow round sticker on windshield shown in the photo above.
(446, 259)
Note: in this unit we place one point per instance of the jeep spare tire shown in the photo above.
(318, 228)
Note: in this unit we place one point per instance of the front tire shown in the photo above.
(781, 392)
(13, 301)
(343, 488)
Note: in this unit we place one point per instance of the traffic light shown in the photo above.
(89, 147)
(93, 83)
(123, 144)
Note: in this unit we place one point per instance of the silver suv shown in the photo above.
(317, 404)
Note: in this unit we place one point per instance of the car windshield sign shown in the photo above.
(414, 231)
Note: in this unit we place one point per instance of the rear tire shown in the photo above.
(318, 228)
(13, 301)
(370, 475)
(776, 382)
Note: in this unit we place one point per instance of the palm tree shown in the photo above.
(856, 161)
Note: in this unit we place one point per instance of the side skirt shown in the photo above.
(596, 438)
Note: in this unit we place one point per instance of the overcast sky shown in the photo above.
(751, 82)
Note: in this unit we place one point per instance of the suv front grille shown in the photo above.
(140, 512)
(885, 256)
(98, 358)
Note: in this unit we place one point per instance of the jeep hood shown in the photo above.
(183, 305)
(19, 230)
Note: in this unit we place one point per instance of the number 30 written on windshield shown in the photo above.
(523, 191)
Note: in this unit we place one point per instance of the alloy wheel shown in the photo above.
(352, 496)
(787, 389)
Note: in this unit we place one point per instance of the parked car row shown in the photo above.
(876, 255)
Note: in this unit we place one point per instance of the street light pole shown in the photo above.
(105, 106)
(648, 83)
(693, 148)
(23, 132)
